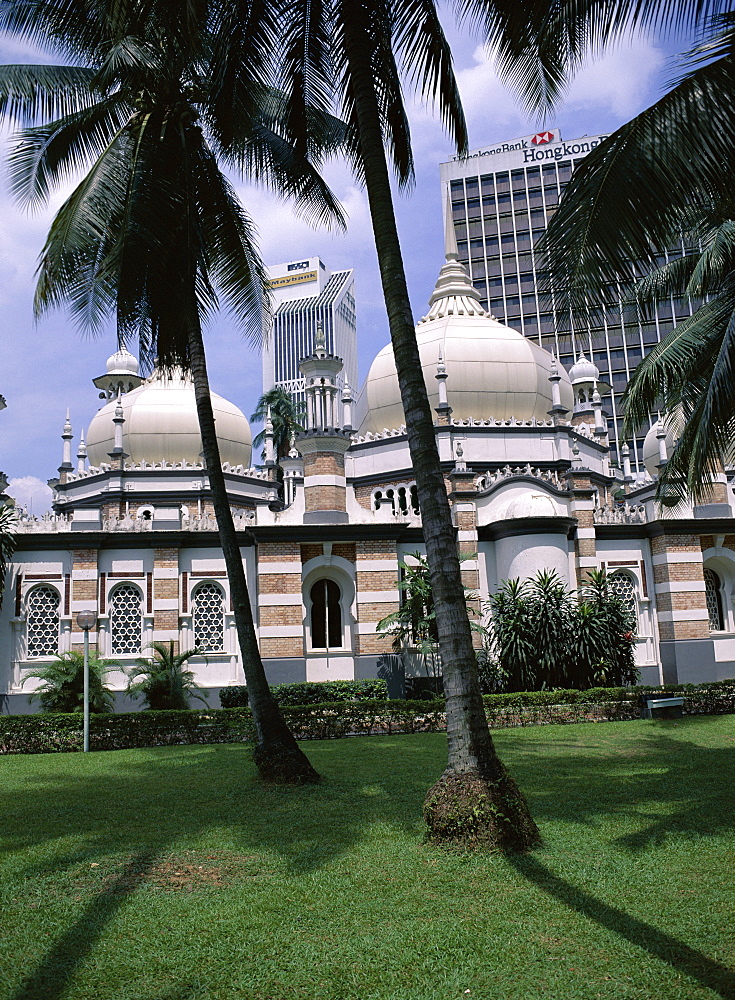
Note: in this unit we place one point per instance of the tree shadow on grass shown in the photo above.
(52, 977)
(664, 785)
(147, 804)
(657, 943)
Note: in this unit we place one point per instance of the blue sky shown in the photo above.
(49, 366)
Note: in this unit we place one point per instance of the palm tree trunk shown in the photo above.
(277, 755)
(474, 769)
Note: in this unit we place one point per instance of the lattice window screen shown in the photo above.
(43, 622)
(126, 619)
(714, 601)
(622, 586)
(209, 624)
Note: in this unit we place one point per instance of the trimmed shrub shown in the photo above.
(53, 733)
(332, 720)
(310, 693)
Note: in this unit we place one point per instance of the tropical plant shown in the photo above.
(287, 416)
(661, 177)
(413, 625)
(62, 689)
(154, 233)
(8, 519)
(162, 679)
(542, 635)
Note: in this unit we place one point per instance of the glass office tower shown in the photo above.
(306, 293)
(501, 198)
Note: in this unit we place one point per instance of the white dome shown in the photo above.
(494, 372)
(122, 362)
(161, 424)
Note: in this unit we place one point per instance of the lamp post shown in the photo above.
(86, 620)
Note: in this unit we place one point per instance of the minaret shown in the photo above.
(117, 454)
(443, 410)
(81, 455)
(66, 436)
(558, 411)
(325, 441)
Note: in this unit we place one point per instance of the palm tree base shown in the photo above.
(467, 811)
(283, 763)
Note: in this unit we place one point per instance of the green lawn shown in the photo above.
(169, 874)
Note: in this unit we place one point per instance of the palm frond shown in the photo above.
(627, 200)
(421, 43)
(50, 154)
(33, 94)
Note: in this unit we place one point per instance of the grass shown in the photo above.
(170, 874)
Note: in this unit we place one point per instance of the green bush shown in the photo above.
(332, 720)
(310, 692)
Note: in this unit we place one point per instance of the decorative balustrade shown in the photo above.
(489, 479)
(54, 523)
(620, 514)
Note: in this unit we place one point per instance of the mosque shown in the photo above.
(524, 449)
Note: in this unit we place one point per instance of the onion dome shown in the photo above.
(584, 370)
(493, 372)
(122, 362)
(161, 425)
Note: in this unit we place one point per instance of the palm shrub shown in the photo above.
(62, 689)
(8, 517)
(542, 635)
(162, 678)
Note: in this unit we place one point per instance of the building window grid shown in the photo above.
(551, 184)
(42, 621)
(126, 619)
(209, 618)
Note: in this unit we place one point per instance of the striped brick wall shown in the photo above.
(678, 580)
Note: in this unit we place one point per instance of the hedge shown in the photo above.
(332, 720)
(310, 693)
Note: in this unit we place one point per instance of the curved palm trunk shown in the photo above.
(474, 769)
(277, 755)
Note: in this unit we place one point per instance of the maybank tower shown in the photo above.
(306, 295)
(501, 198)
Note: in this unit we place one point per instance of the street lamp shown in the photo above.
(86, 620)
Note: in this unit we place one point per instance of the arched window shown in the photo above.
(42, 621)
(713, 595)
(622, 586)
(126, 619)
(326, 615)
(209, 620)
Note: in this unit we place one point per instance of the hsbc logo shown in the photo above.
(541, 138)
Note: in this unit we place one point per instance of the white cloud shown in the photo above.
(31, 493)
(622, 82)
(487, 102)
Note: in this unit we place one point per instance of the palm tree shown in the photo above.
(658, 178)
(63, 683)
(286, 414)
(353, 48)
(163, 679)
(154, 232)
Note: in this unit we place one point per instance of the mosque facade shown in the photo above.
(526, 459)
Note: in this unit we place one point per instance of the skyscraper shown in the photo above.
(501, 198)
(306, 293)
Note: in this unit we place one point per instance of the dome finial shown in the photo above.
(320, 341)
